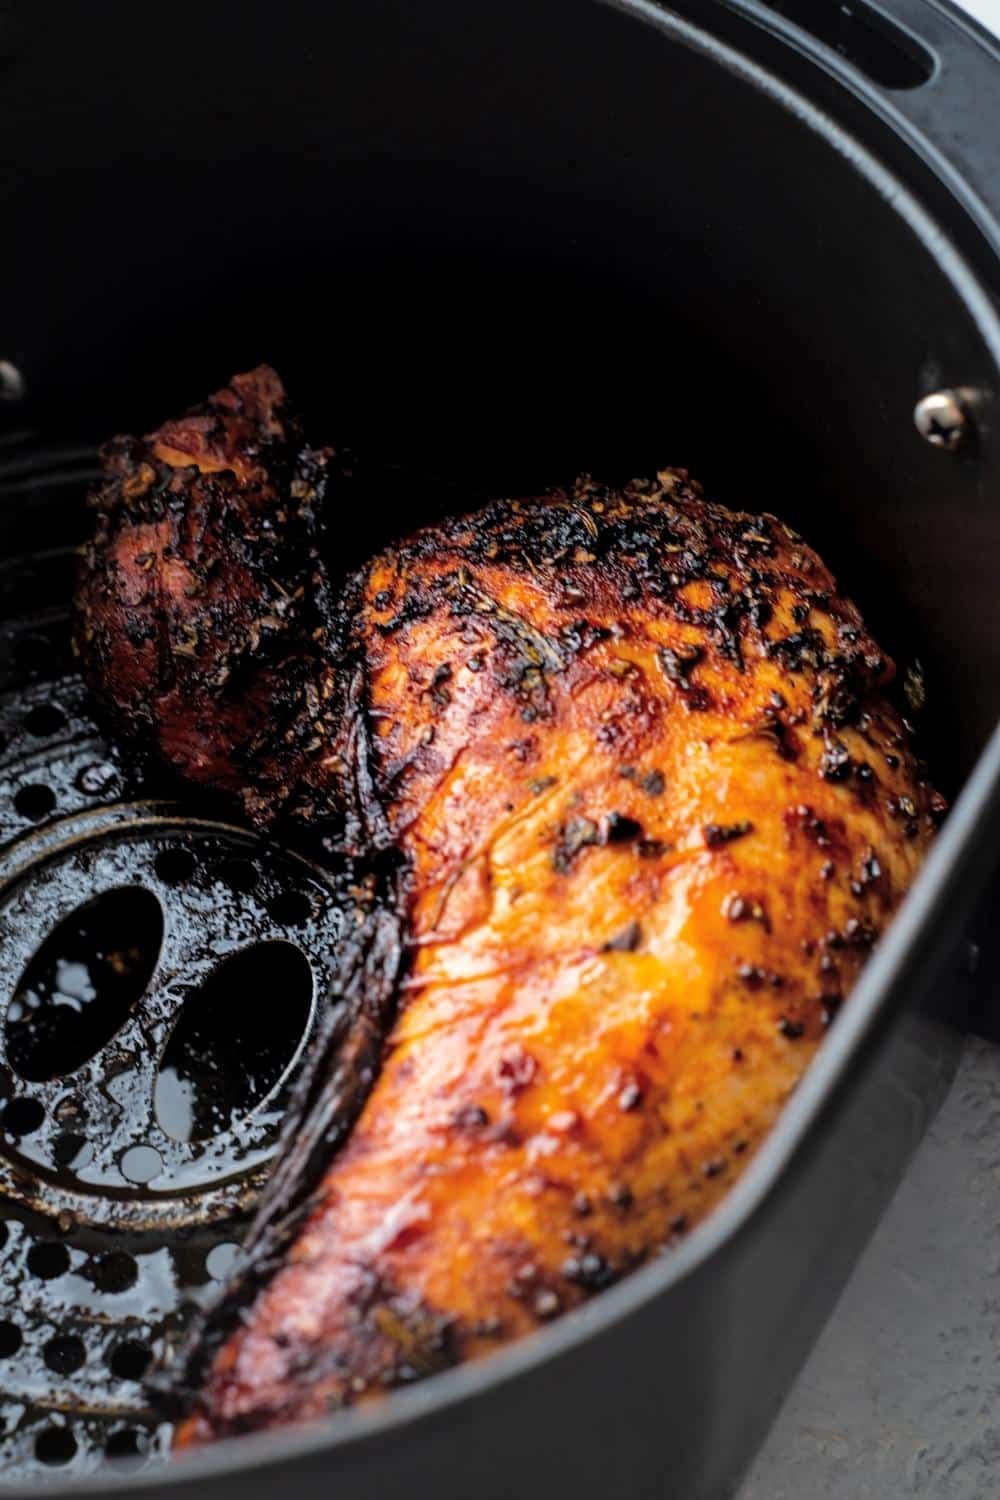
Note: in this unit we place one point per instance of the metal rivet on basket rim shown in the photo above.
(11, 381)
(942, 420)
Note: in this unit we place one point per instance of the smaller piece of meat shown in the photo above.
(203, 613)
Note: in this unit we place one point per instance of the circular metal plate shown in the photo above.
(125, 1185)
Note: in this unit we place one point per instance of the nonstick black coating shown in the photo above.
(502, 242)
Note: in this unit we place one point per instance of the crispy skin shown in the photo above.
(653, 811)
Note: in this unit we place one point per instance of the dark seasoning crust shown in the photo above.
(420, 715)
(205, 619)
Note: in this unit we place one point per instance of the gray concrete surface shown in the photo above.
(901, 1396)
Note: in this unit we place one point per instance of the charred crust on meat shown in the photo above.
(637, 619)
(205, 623)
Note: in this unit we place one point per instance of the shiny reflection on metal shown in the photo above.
(110, 1099)
(112, 1230)
(941, 419)
(11, 381)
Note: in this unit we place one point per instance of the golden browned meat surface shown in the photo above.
(652, 810)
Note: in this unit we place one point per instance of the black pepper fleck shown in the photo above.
(626, 941)
(471, 1117)
(716, 834)
(630, 1097)
(621, 829)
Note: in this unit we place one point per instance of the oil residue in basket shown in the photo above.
(83, 1316)
(160, 973)
(81, 983)
(228, 1051)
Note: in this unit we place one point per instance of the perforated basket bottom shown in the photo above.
(160, 973)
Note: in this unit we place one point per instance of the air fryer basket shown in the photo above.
(494, 244)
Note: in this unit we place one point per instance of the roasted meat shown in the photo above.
(646, 810)
(202, 611)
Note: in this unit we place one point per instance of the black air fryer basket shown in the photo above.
(496, 243)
